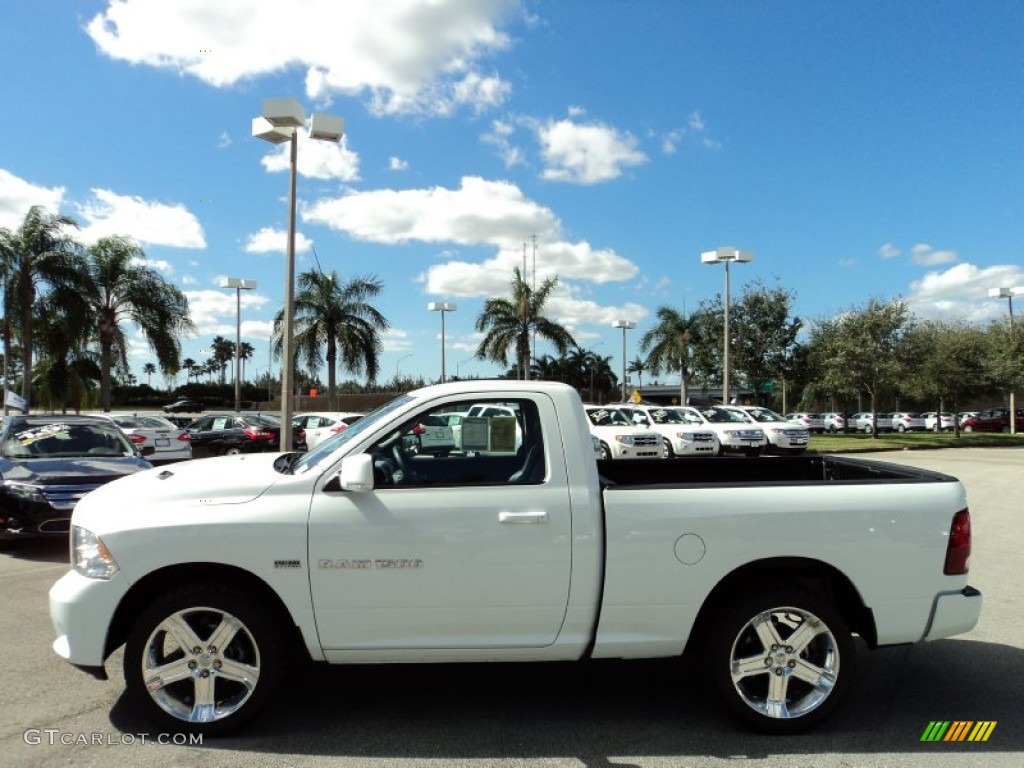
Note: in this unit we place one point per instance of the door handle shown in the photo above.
(522, 517)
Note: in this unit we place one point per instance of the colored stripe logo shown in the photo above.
(958, 730)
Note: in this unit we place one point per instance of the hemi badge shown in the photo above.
(287, 563)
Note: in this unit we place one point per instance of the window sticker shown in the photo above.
(503, 434)
(58, 430)
(474, 433)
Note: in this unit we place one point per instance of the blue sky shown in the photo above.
(859, 150)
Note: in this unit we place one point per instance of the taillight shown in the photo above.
(184, 437)
(339, 429)
(958, 549)
(259, 434)
(137, 439)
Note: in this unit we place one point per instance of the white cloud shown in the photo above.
(961, 292)
(316, 159)
(17, 196)
(889, 251)
(395, 340)
(160, 265)
(500, 138)
(213, 311)
(586, 153)
(224, 140)
(922, 253)
(108, 213)
(478, 213)
(405, 55)
(397, 164)
(270, 240)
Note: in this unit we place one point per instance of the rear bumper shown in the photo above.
(955, 614)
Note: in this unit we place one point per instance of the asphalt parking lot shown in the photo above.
(600, 714)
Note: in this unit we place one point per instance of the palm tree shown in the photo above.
(223, 353)
(118, 288)
(190, 367)
(39, 251)
(337, 317)
(66, 367)
(149, 369)
(638, 367)
(669, 344)
(511, 322)
(245, 352)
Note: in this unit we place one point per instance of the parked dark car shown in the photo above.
(184, 406)
(47, 463)
(992, 420)
(226, 434)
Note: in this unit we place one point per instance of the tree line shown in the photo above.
(70, 305)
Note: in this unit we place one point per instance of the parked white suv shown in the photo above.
(783, 436)
(812, 421)
(620, 437)
(735, 432)
(679, 437)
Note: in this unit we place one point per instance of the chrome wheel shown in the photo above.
(200, 665)
(204, 658)
(782, 660)
(785, 663)
(232, 451)
(666, 449)
(605, 451)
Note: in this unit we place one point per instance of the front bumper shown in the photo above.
(954, 613)
(81, 610)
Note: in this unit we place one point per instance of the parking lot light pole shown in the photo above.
(239, 284)
(625, 325)
(726, 255)
(1008, 294)
(442, 307)
(279, 123)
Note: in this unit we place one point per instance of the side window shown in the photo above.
(442, 447)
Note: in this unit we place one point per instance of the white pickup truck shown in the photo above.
(217, 574)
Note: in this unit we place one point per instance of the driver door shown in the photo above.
(470, 548)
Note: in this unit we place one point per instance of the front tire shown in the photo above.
(781, 659)
(605, 451)
(666, 449)
(204, 658)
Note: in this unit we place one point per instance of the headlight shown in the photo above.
(25, 492)
(89, 555)
(685, 435)
(624, 439)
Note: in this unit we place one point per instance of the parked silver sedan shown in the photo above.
(169, 441)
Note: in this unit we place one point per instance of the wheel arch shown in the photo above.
(153, 584)
(806, 572)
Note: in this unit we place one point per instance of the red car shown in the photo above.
(992, 420)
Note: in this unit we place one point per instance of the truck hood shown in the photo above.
(187, 487)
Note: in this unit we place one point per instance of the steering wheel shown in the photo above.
(403, 464)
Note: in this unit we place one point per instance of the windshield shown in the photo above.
(667, 416)
(607, 417)
(333, 443)
(764, 415)
(721, 416)
(61, 439)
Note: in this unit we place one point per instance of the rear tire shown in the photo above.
(233, 450)
(781, 659)
(203, 658)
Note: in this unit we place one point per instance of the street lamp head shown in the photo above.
(237, 282)
(326, 127)
(1000, 293)
(724, 254)
(284, 113)
(624, 324)
(442, 306)
(267, 131)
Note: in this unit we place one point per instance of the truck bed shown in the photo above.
(789, 470)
